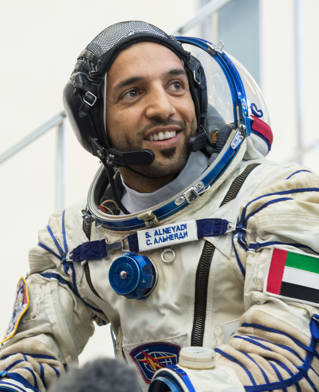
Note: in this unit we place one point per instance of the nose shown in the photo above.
(159, 104)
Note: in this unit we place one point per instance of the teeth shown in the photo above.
(162, 136)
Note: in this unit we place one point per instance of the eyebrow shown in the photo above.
(137, 79)
(128, 82)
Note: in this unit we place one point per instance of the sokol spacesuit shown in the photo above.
(212, 287)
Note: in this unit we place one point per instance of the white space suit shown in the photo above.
(262, 340)
(230, 265)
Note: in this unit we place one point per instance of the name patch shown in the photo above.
(167, 235)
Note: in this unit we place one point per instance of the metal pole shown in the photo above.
(53, 122)
(297, 156)
(206, 31)
(201, 14)
(299, 78)
(60, 167)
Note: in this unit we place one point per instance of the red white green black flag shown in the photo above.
(293, 275)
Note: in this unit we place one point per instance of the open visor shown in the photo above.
(227, 81)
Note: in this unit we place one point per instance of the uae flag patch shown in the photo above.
(293, 275)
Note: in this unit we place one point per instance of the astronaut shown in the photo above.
(201, 253)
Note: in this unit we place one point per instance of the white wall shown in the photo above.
(278, 50)
(39, 41)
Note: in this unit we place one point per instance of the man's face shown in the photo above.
(149, 106)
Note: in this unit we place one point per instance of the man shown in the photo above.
(201, 254)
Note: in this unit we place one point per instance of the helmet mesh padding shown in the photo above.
(89, 78)
(113, 35)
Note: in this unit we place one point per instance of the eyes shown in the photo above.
(173, 87)
(131, 93)
(177, 86)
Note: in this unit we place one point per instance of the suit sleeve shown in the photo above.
(276, 345)
(51, 325)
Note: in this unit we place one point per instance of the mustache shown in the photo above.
(163, 123)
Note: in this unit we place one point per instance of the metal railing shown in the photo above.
(58, 121)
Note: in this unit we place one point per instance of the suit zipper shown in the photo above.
(201, 287)
(203, 268)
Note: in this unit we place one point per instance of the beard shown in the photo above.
(167, 162)
(168, 153)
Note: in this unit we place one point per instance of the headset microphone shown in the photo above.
(123, 158)
(114, 157)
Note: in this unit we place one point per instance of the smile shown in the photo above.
(161, 136)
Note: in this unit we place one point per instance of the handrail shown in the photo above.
(56, 121)
(31, 137)
(60, 165)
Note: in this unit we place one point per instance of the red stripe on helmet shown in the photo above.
(262, 128)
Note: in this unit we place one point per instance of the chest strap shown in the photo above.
(163, 236)
(154, 238)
